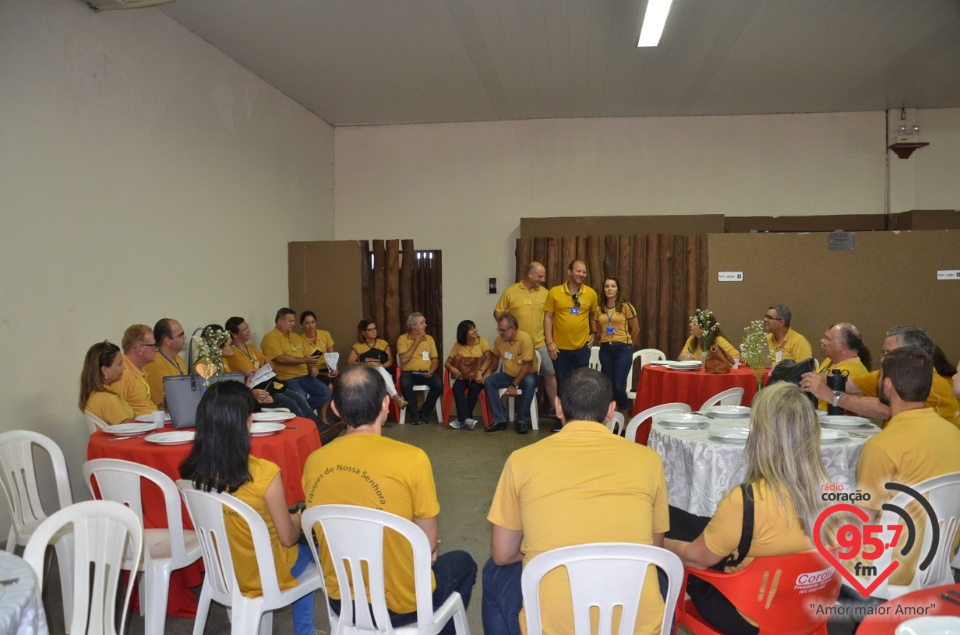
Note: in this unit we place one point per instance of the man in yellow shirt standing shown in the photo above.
(783, 341)
(578, 486)
(170, 339)
(526, 301)
(139, 348)
(418, 367)
(367, 469)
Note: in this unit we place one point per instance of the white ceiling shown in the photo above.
(425, 61)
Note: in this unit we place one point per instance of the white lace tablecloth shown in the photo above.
(21, 611)
(700, 470)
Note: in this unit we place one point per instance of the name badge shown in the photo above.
(508, 355)
(779, 356)
(575, 311)
(426, 356)
(528, 301)
(610, 330)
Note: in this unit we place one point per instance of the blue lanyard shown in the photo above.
(172, 362)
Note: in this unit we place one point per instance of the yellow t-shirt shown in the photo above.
(425, 352)
(853, 366)
(477, 350)
(915, 445)
(794, 346)
(323, 342)
(373, 471)
(941, 397)
(527, 306)
(276, 343)
(692, 347)
(244, 359)
(571, 324)
(514, 353)
(109, 406)
(583, 485)
(613, 325)
(134, 388)
(362, 348)
(262, 472)
(159, 368)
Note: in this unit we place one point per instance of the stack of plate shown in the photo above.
(683, 421)
(729, 435)
(265, 428)
(273, 416)
(832, 436)
(843, 421)
(127, 429)
(689, 365)
(170, 438)
(728, 412)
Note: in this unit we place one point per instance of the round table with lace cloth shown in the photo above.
(21, 611)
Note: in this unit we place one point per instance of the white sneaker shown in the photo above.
(455, 424)
(470, 424)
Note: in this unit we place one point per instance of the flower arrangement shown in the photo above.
(209, 344)
(708, 325)
(753, 349)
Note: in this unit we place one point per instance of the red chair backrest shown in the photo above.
(776, 592)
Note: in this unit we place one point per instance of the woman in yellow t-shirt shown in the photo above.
(704, 333)
(102, 366)
(466, 390)
(317, 342)
(785, 474)
(616, 321)
(375, 352)
(220, 460)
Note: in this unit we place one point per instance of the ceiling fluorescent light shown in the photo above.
(654, 21)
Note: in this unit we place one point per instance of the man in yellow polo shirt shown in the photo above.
(369, 470)
(579, 486)
(418, 367)
(526, 301)
(862, 393)
(139, 349)
(844, 351)
(170, 339)
(783, 341)
(515, 349)
(915, 445)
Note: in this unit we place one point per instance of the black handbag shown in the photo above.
(791, 371)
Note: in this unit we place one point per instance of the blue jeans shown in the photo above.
(303, 608)
(435, 390)
(453, 571)
(312, 388)
(465, 395)
(296, 403)
(567, 361)
(496, 381)
(615, 361)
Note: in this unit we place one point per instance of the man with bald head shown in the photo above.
(844, 351)
(139, 349)
(170, 339)
(525, 301)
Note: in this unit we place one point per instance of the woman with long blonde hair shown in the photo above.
(783, 485)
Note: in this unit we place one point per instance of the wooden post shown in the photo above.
(408, 268)
(366, 278)
(391, 301)
(552, 263)
(594, 260)
(611, 259)
(568, 253)
(678, 296)
(624, 270)
(652, 290)
(378, 306)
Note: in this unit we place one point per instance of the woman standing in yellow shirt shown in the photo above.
(616, 321)
(102, 366)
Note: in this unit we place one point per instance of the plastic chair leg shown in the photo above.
(203, 609)
(155, 586)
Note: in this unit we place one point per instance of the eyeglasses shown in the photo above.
(576, 300)
(502, 331)
(771, 317)
(153, 345)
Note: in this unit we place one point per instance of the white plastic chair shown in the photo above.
(104, 533)
(654, 415)
(603, 575)
(19, 483)
(594, 362)
(616, 424)
(646, 356)
(249, 615)
(166, 549)
(511, 401)
(731, 397)
(354, 537)
(94, 422)
(424, 389)
(943, 493)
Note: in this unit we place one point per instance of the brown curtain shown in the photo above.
(398, 281)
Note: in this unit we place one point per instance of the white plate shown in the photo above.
(129, 428)
(149, 418)
(263, 428)
(728, 412)
(939, 625)
(170, 438)
(659, 362)
(681, 420)
(730, 435)
(273, 416)
(677, 366)
(843, 421)
(830, 436)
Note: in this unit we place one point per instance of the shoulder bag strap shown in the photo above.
(746, 534)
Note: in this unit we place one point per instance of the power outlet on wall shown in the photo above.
(491, 286)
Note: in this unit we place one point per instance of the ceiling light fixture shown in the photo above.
(653, 22)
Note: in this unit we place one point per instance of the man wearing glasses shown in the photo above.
(515, 349)
(783, 341)
(139, 349)
(171, 340)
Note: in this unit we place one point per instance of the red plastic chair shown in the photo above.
(776, 592)
(448, 398)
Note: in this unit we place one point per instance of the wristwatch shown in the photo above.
(836, 398)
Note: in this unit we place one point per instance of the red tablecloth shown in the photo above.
(288, 448)
(927, 599)
(659, 385)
